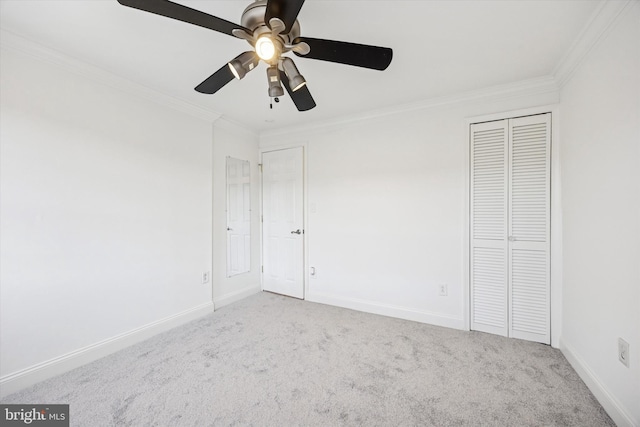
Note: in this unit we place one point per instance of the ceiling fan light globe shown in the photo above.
(237, 70)
(242, 64)
(273, 77)
(276, 91)
(265, 48)
(297, 82)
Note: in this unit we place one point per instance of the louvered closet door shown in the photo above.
(510, 229)
(489, 158)
(529, 227)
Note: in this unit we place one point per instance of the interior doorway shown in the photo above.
(283, 222)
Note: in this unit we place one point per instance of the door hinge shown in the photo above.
(260, 166)
(262, 268)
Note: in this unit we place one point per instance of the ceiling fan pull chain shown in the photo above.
(275, 98)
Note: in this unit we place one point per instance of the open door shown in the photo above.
(282, 222)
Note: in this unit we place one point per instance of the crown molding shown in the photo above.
(13, 42)
(601, 22)
(232, 126)
(523, 88)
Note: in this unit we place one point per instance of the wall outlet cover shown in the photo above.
(623, 352)
(442, 290)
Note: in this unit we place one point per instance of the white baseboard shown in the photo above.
(388, 310)
(232, 297)
(618, 413)
(19, 380)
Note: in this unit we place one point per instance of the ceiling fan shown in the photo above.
(272, 29)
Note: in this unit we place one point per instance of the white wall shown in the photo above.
(230, 140)
(105, 213)
(601, 206)
(387, 208)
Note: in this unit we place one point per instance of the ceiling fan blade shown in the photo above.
(286, 10)
(216, 81)
(185, 14)
(301, 98)
(360, 55)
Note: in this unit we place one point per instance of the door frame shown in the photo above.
(305, 210)
(555, 215)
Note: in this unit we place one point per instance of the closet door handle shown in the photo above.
(512, 239)
(296, 232)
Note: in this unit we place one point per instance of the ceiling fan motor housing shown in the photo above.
(253, 19)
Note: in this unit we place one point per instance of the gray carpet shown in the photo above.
(275, 361)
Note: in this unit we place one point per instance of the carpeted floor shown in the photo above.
(275, 361)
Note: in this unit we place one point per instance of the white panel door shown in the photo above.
(529, 227)
(489, 227)
(238, 216)
(283, 228)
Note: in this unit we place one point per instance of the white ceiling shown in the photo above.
(440, 48)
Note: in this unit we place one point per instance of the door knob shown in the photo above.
(229, 229)
(512, 239)
(296, 232)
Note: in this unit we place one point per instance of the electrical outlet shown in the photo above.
(205, 277)
(623, 352)
(442, 289)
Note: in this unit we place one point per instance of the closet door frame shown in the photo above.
(555, 241)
